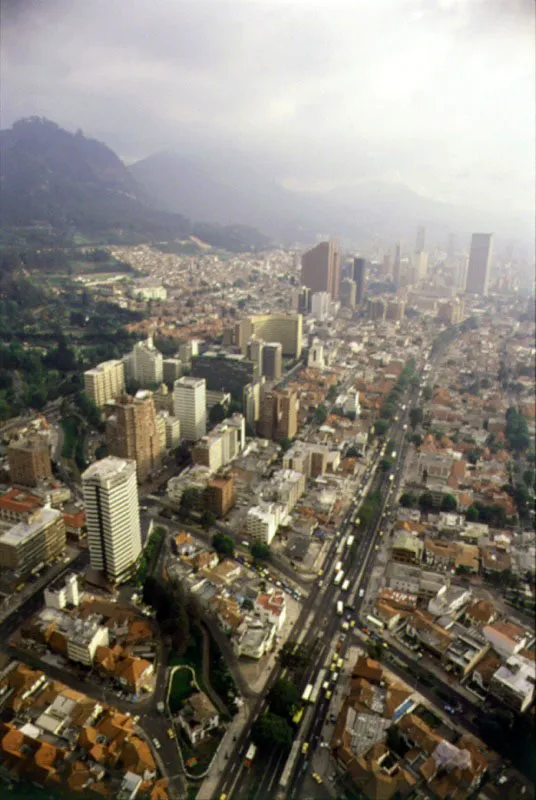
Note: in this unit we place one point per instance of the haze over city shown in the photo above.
(435, 94)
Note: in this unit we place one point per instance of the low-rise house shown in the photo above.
(505, 637)
(135, 673)
(481, 612)
(198, 717)
(465, 651)
(514, 682)
(449, 600)
(430, 634)
(272, 608)
(407, 548)
(256, 640)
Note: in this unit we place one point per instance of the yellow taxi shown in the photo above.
(305, 748)
(171, 733)
(317, 778)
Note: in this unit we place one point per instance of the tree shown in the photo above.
(188, 501)
(223, 545)
(381, 427)
(528, 478)
(294, 655)
(208, 518)
(385, 464)
(320, 414)
(472, 514)
(272, 731)
(449, 503)
(427, 392)
(409, 500)
(426, 500)
(283, 698)
(260, 551)
(374, 650)
(416, 439)
(415, 417)
(285, 444)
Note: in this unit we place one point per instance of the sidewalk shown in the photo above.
(208, 787)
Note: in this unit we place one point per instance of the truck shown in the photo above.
(250, 755)
(345, 585)
(340, 608)
(307, 693)
(338, 578)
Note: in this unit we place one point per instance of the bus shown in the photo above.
(338, 578)
(350, 541)
(321, 677)
(340, 608)
(338, 566)
(289, 766)
(345, 585)
(250, 755)
(376, 623)
(340, 547)
(307, 693)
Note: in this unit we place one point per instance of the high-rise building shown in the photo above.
(376, 309)
(320, 305)
(220, 495)
(284, 328)
(132, 432)
(272, 360)
(321, 268)
(480, 259)
(105, 382)
(386, 267)
(420, 266)
(304, 300)
(112, 516)
(315, 356)
(396, 310)
(278, 418)
(172, 370)
(254, 352)
(396, 266)
(29, 460)
(189, 401)
(360, 268)
(348, 293)
(189, 349)
(37, 540)
(251, 401)
(421, 236)
(144, 366)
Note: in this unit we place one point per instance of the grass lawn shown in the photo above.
(181, 689)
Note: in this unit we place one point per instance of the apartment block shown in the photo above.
(33, 543)
(220, 495)
(105, 382)
(132, 433)
(262, 522)
(278, 418)
(29, 460)
(272, 360)
(189, 406)
(144, 366)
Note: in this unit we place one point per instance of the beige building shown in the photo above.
(34, 542)
(29, 460)
(132, 432)
(105, 382)
(321, 267)
(287, 329)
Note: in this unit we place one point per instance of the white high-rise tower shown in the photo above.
(189, 405)
(112, 516)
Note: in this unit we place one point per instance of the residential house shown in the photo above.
(198, 717)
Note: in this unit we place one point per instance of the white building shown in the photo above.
(315, 356)
(514, 682)
(320, 305)
(64, 592)
(145, 364)
(84, 638)
(351, 403)
(189, 405)
(272, 608)
(150, 290)
(262, 522)
(189, 349)
(112, 516)
(105, 382)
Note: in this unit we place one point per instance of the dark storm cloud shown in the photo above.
(438, 93)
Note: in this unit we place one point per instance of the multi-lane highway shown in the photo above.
(319, 627)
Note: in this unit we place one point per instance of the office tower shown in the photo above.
(420, 266)
(386, 268)
(480, 259)
(29, 460)
(450, 311)
(251, 401)
(396, 266)
(376, 309)
(224, 372)
(321, 268)
(278, 418)
(272, 359)
(189, 401)
(254, 352)
(189, 349)
(132, 433)
(360, 267)
(36, 541)
(320, 305)
(112, 516)
(172, 370)
(421, 235)
(105, 382)
(395, 310)
(304, 300)
(220, 495)
(284, 328)
(145, 364)
(348, 293)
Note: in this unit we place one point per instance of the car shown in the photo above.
(376, 548)
(223, 796)
(328, 697)
(171, 733)
(317, 778)
(332, 719)
(450, 709)
(157, 743)
(352, 623)
(342, 637)
(305, 748)
(361, 593)
(320, 583)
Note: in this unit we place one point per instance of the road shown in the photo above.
(320, 624)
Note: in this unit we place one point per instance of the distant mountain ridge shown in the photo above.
(52, 178)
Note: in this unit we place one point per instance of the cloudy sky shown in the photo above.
(436, 93)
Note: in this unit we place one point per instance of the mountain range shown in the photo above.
(67, 184)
